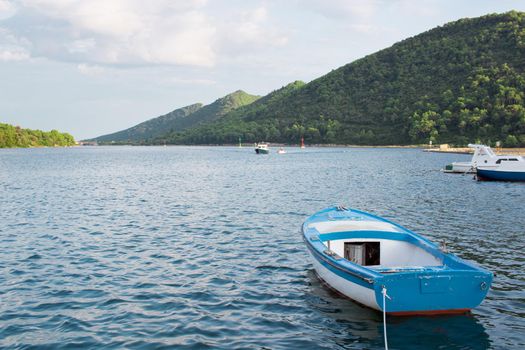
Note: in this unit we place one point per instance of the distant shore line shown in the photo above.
(271, 144)
(39, 147)
(424, 148)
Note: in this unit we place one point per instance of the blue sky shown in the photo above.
(99, 66)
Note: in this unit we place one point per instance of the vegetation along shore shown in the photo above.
(499, 151)
(15, 136)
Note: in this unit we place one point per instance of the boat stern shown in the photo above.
(433, 292)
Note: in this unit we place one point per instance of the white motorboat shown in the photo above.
(508, 168)
(483, 155)
(262, 148)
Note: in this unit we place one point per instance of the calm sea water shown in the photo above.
(200, 247)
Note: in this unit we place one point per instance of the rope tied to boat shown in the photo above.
(443, 246)
(472, 168)
(383, 291)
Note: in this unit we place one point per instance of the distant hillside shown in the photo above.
(14, 136)
(151, 128)
(212, 112)
(459, 83)
(158, 129)
(234, 124)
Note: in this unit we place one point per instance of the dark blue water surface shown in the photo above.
(200, 247)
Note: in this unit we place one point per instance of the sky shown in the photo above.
(99, 66)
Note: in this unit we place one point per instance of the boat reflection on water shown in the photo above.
(444, 332)
(364, 327)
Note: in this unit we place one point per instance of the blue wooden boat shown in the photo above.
(363, 256)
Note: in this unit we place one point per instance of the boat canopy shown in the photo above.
(480, 150)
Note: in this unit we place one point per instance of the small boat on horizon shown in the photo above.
(389, 268)
(262, 148)
(281, 151)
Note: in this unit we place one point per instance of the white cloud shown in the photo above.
(13, 48)
(250, 32)
(82, 45)
(115, 18)
(13, 55)
(5, 6)
(140, 33)
(358, 16)
(359, 10)
(425, 8)
(7, 9)
(365, 11)
(91, 70)
(128, 32)
(363, 28)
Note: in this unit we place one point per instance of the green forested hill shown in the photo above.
(459, 83)
(14, 136)
(151, 128)
(231, 126)
(158, 129)
(209, 113)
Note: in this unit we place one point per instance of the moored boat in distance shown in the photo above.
(506, 168)
(281, 151)
(262, 148)
(482, 155)
(363, 256)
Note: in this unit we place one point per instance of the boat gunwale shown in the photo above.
(449, 260)
(372, 275)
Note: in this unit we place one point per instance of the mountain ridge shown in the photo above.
(457, 83)
(178, 120)
(150, 128)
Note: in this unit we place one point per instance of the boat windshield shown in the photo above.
(490, 152)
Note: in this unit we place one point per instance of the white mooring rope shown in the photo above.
(383, 291)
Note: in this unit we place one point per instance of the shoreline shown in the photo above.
(454, 150)
(518, 151)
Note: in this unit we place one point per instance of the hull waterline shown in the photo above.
(498, 175)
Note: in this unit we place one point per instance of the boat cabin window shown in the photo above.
(363, 253)
(505, 159)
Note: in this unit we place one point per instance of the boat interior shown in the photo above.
(378, 245)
